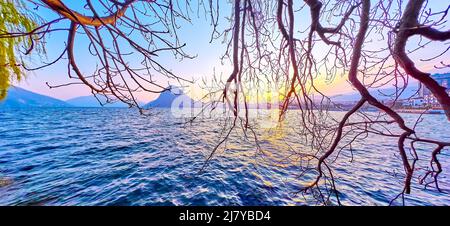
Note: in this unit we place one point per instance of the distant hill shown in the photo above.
(381, 94)
(167, 97)
(21, 98)
(92, 102)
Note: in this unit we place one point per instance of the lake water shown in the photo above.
(118, 157)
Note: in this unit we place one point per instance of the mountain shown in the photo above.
(21, 98)
(92, 102)
(166, 99)
(380, 94)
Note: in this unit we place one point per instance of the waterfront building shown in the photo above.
(427, 96)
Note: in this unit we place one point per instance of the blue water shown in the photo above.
(118, 157)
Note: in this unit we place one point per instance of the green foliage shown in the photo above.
(12, 20)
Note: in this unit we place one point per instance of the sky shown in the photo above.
(196, 35)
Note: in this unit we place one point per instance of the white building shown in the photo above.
(443, 80)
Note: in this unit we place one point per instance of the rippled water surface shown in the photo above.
(117, 157)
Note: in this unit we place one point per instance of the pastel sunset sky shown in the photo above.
(196, 35)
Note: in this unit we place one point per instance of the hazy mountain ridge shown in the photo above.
(21, 98)
(380, 94)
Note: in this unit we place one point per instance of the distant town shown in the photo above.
(419, 100)
(426, 100)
